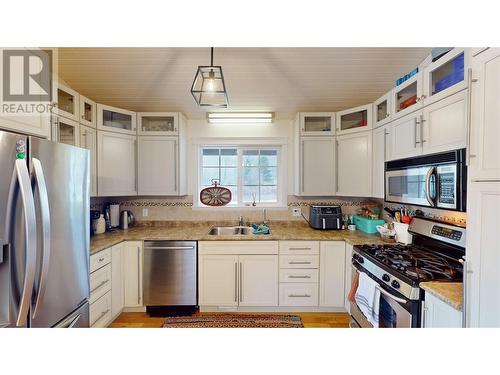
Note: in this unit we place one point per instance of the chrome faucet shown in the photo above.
(241, 221)
(265, 217)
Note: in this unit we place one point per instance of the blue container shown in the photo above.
(367, 225)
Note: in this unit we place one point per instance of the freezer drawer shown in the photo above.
(170, 273)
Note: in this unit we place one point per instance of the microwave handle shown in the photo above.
(430, 172)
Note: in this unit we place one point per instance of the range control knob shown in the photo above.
(360, 259)
(395, 284)
(386, 277)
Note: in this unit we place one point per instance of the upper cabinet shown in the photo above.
(407, 97)
(354, 120)
(88, 112)
(381, 152)
(158, 123)
(445, 76)
(65, 131)
(382, 110)
(67, 104)
(316, 123)
(484, 151)
(88, 140)
(38, 125)
(116, 119)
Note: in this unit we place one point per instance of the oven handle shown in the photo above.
(430, 172)
(387, 294)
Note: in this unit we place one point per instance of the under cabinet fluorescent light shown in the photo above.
(240, 117)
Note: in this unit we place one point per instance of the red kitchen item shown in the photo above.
(215, 195)
(408, 102)
(406, 219)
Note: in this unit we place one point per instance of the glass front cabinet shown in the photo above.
(382, 110)
(445, 76)
(354, 120)
(158, 123)
(317, 123)
(407, 97)
(87, 112)
(65, 131)
(67, 103)
(116, 119)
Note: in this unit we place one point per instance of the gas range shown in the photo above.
(434, 255)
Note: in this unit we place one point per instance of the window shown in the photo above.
(251, 173)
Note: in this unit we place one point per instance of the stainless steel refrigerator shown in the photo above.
(44, 233)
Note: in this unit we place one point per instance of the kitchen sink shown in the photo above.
(230, 231)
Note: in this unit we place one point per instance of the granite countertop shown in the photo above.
(451, 293)
(198, 231)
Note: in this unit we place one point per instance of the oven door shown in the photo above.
(411, 186)
(395, 311)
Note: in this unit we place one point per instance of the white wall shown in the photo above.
(201, 129)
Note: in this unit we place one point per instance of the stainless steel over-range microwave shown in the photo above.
(437, 181)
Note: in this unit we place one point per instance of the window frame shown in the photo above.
(281, 185)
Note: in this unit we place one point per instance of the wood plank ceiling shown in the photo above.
(283, 80)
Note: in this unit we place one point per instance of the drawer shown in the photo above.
(299, 261)
(299, 247)
(100, 312)
(298, 276)
(297, 294)
(100, 259)
(100, 283)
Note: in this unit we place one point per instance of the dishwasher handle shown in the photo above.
(170, 248)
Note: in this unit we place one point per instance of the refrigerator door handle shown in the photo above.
(45, 214)
(21, 176)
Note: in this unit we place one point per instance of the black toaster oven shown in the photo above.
(325, 217)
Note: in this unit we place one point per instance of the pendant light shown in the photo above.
(208, 87)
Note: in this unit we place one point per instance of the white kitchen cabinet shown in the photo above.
(407, 97)
(438, 314)
(316, 170)
(444, 124)
(484, 160)
(116, 119)
(116, 164)
(218, 280)
(381, 152)
(354, 120)
(258, 280)
(66, 131)
(117, 280)
(67, 104)
(445, 76)
(132, 269)
(316, 123)
(88, 140)
(332, 273)
(37, 125)
(405, 136)
(382, 110)
(483, 255)
(298, 294)
(158, 123)
(158, 172)
(88, 112)
(100, 312)
(354, 164)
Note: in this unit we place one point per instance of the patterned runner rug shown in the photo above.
(224, 320)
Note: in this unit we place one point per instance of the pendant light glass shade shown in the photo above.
(208, 88)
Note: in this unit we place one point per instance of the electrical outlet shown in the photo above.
(296, 212)
(145, 212)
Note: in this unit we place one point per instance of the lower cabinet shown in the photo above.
(132, 269)
(332, 273)
(117, 274)
(217, 278)
(438, 314)
(100, 280)
(258, 280)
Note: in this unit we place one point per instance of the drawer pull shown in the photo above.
(98, 286)
(299, 277)
(100, 316)
(292, 262)
(299, 295)
(299, 248)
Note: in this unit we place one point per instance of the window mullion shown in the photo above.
(240, 176)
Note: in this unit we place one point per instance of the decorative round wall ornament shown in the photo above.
(215, 195)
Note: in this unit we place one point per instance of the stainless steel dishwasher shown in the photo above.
(170, 273)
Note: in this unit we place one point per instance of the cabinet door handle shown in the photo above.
(175, 166)
(422, 120)
(100, 317)
(424, 314)
(138, 275)
(299, 277)
(416, 132)
(302, 169)
(241, 282)
(292, 262)
(299, 295)
(98, 286)
(299, 248)
(465, 272)
(468, 152)
(336, 164)
(235, 282)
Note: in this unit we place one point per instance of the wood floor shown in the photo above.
(310, 320)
